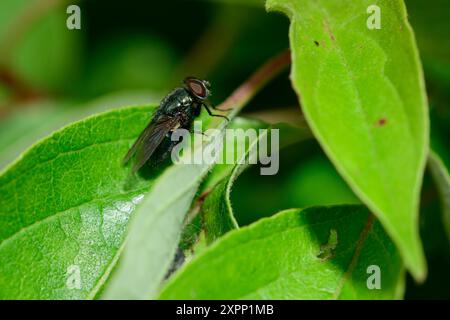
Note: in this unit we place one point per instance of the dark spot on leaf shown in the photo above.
(382, 121)
(317, 43)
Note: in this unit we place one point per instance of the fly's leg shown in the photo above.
(214, 107)
(202, 133)
(215, 115)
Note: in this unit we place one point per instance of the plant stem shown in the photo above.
(23, 22)
(20, 90)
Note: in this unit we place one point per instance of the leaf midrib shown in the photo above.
(346, 274)
(351, 78)
(359, 246)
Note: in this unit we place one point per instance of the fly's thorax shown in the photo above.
(176, 101)
(188, 114)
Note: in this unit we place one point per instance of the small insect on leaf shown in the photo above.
(327, 249)
(177, 110)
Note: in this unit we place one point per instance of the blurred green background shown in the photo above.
(134, 52)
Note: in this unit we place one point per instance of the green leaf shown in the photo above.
(217, 212)
(442, 180)
(363, 95)
(316, 253)
(37, 120)
(222, 170)
(65, 206)
(193, 231)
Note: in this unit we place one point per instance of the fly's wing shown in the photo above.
(150, 139)
(142, 137)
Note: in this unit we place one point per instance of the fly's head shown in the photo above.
(199, 89)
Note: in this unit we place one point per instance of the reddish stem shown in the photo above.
(251, 86)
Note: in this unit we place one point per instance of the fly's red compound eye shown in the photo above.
(197, 87)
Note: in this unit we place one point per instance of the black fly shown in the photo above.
(177, 110)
